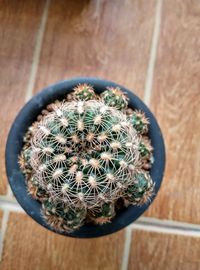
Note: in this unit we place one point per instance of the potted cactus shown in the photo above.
(85, 157)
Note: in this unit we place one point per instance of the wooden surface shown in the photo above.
(112, 40)
(176, 103)
(29, 246)
(97, 38)
(1, 216)
(151, 250)
(19, 22)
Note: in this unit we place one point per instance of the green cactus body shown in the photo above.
(26, 159)
(35, 190)
(139, 122)
(63, 217)
(84, 92)
(145, 148)
(82, 156)
(78, 177)
(141, 190)
(114, 97)
(103, 214)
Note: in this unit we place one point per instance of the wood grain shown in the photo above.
(19, 22)
(1, 216)
(106, 39)
(29, 246)
(175, 102)
(150, 250)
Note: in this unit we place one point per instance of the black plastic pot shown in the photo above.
(28, 115)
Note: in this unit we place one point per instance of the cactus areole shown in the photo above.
(85, 157)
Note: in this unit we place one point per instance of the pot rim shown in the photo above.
(14, 144)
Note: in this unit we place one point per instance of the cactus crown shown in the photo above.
(84, 155)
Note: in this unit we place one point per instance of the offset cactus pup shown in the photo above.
(85, 157)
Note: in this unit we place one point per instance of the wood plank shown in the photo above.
(19, 22)
(150, 250)
(1, 220)
(175, 102)
(27, 244)
(106, 39)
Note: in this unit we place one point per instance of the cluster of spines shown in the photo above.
(141, 190)
(114, 97)
(136, 191)
(102, 214)
(139, 121)
(84, 92)
(62, 217)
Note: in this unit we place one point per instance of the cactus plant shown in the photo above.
(84, 92)
(145, 148)
(114, 97)
(84, 154)
(103, 213)
(62, 217)
(140, 191)
(139, 121)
